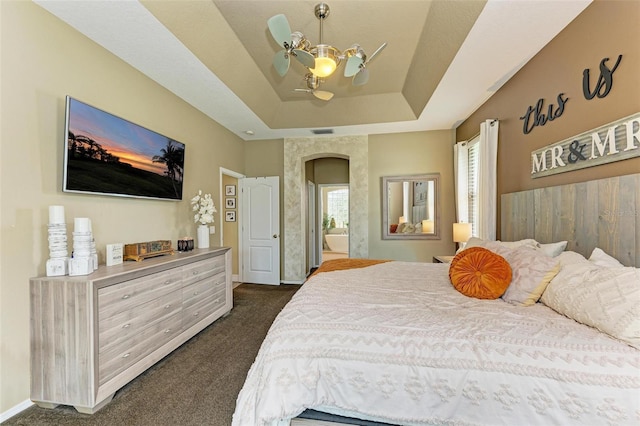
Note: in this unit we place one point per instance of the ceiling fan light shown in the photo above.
(326, 60)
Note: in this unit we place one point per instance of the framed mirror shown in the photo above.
(411, 207)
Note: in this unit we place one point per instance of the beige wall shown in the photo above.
(230, 229)
(43, 60)
(266, 158)
(330, 170)
(605, 29)
(410, 154)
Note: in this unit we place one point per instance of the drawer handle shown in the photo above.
(196, 314)
(167, 331)
(217, 300)
(167, 306)
(126, 355)
(167, 282)
(126, 326)
(126, 296)
(195, 272)
(195, 293)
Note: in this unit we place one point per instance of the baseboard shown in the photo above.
(235, 278)
(15, 410)
(292, 282)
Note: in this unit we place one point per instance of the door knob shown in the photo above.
(275, 235)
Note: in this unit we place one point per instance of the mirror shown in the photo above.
(410, 207)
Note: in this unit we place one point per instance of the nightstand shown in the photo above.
(442, 259)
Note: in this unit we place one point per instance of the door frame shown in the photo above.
(221, 205)
(312, 226)
(319, 216)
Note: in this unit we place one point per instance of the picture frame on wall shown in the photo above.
(230, 190)
(230, 203)
(230, 216)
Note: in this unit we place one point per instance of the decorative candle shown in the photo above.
(56, 214)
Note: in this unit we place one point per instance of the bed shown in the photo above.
(394, 342)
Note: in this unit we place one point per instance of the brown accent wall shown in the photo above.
(605, 29)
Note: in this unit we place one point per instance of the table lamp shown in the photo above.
(461, 233)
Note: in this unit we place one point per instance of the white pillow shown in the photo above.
(604, 298)
(600, 258)
(479, 242)
(552, 249)
(531, 272)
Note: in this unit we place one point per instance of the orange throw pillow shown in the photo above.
(480, 273)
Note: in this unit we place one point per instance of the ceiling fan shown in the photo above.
(322, 59)
(313, 82)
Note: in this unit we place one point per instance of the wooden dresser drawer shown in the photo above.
(203, 307)
(123, 355)
(203, 269)
(127, 295)
(198, 290)
(120, 326)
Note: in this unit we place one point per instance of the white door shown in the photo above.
(260, 230)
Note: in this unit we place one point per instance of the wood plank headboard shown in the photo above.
(601, 213)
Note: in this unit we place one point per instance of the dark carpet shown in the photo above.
(198, 383)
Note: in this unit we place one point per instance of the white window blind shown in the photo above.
(472, 185)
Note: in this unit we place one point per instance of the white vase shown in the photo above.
(203, 236)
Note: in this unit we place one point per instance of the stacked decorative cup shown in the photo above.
(58, 263)
(83, 260)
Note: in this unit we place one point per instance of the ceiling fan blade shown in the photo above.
(280, 29)
(281, 62)
(378, 50)
(323, 95)
(353, 66)
(361, 78)
(305, 58)
(303, 90)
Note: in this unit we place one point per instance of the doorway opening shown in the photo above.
(334, 208)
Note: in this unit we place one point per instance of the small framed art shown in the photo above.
(230, 216)
(230, 190)
(230, 203)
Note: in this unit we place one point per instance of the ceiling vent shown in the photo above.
(322, 131)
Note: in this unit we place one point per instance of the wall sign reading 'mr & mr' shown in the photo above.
(613, 142)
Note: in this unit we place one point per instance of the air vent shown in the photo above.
(322, 131)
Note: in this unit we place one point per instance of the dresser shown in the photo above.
(93, 334)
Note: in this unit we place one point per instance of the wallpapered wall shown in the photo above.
(296, 152)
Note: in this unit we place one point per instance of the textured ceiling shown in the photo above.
(443, 58)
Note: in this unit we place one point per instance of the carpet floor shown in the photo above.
(198, 383)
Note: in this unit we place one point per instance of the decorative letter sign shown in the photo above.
(616, 141)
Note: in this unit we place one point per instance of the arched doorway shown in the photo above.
(297, 151)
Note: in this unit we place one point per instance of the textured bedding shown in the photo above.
(396, 343)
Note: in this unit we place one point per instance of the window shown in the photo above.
(473, 185)
(475, 163)
(338, 207)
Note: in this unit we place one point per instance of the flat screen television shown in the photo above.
(108, 155)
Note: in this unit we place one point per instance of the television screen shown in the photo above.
(108, 155)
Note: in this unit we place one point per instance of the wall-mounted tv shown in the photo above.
(108, 155)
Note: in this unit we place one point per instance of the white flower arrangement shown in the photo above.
(204, 208)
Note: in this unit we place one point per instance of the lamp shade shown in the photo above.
(326, 60)
(427, 227)
(461, 232)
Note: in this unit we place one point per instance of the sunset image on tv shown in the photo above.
(108, 155)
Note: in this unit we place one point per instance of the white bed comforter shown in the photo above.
(395, 342)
